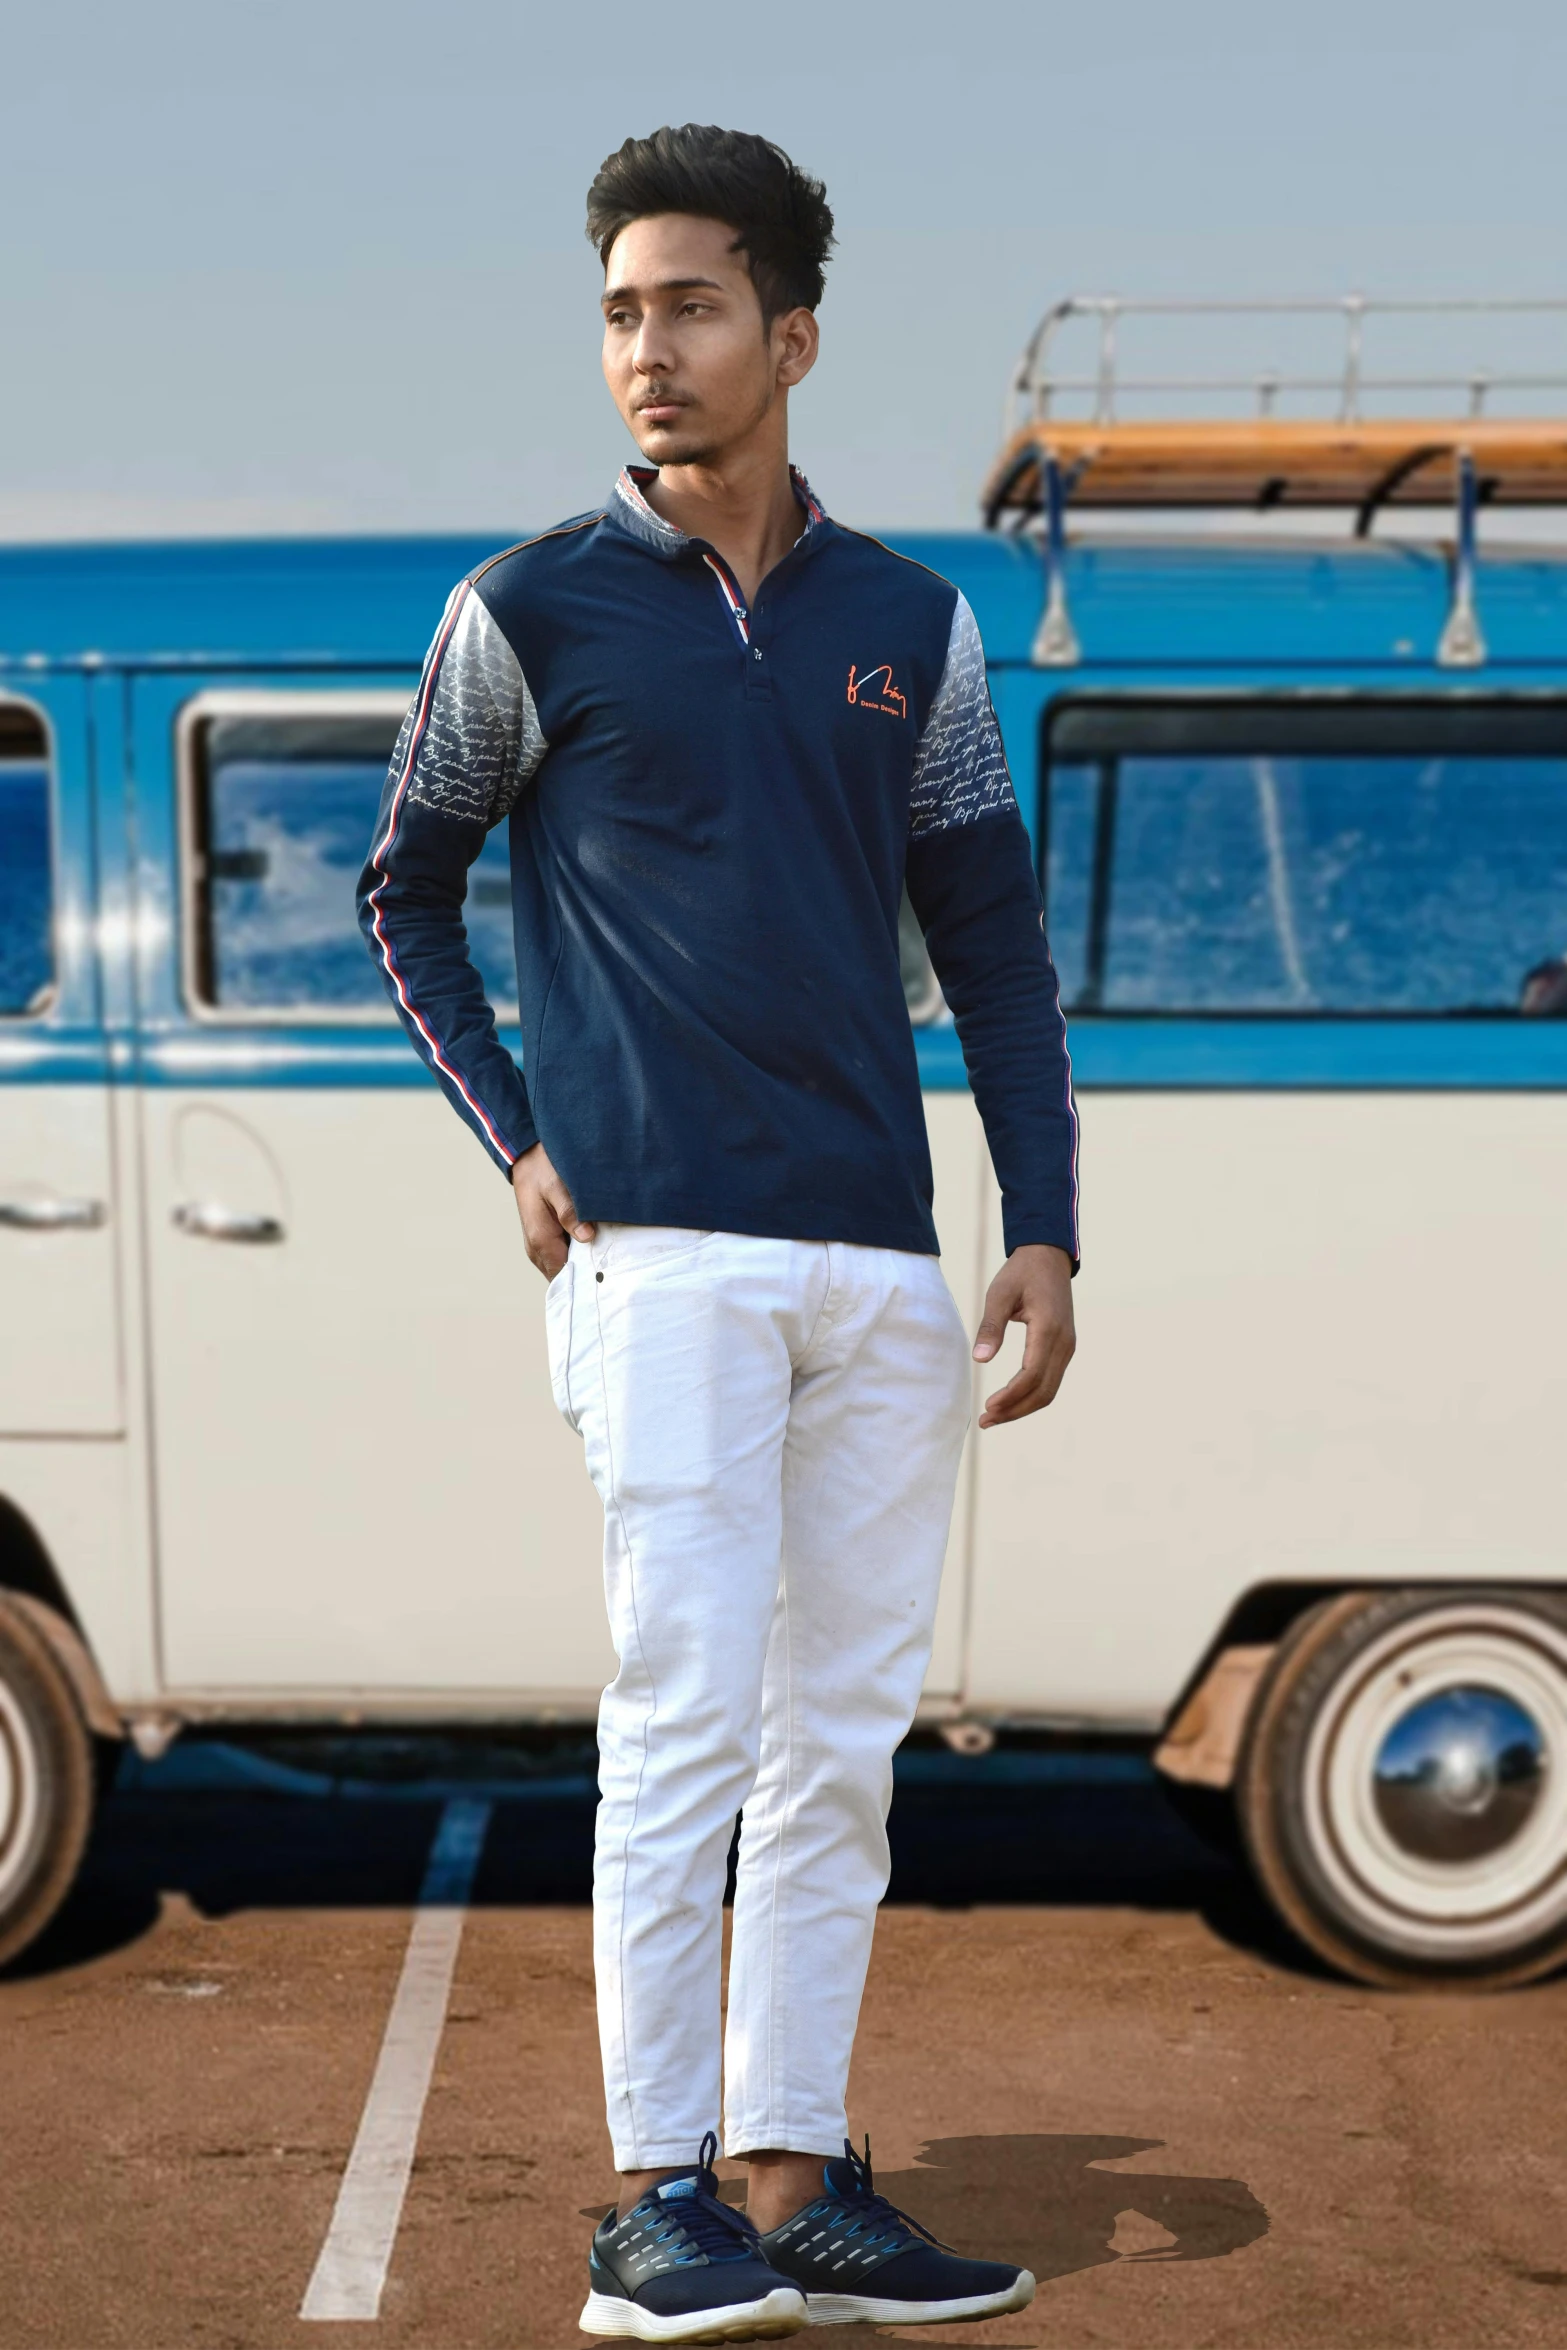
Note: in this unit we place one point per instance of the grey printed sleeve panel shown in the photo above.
(482, 741)
(468, 746)
(960, 769)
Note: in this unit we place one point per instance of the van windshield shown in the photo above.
(1297, 858)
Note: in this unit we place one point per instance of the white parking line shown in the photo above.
(352, 2268)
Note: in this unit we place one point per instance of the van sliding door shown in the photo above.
(365, 1494)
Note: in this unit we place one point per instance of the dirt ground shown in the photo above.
(1083, 2047)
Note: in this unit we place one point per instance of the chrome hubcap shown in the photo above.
(1458, 1776)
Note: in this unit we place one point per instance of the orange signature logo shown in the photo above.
(876, 691)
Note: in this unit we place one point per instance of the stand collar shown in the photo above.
(629, 510)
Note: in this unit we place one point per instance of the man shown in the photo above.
(726, 734)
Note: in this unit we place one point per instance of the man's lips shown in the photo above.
(660, 411)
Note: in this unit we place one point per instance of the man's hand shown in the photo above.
(548, 1212)
(1033, 1287)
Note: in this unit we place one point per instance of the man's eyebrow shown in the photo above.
(662, 285)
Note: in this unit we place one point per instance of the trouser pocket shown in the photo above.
(558, 1303)
(637, 1248)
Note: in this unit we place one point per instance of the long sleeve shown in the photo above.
(970, 877)
(470, 742)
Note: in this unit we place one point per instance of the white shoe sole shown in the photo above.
(847, 2309)
(766, 2320)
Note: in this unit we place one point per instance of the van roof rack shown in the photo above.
(1338, 456)
(1335, 455)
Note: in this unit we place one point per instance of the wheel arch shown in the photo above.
(25, 1564)
(30, 1584)
(1201, 1741)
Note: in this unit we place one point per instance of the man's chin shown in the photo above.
(664, 444)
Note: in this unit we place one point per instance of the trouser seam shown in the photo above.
(783, 1818)
(647, 1724)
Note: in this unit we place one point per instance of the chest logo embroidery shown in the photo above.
(876, 691)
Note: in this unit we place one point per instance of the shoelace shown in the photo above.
(877, 2220)
(701, 2226)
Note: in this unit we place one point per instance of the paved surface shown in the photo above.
(1082, 2046)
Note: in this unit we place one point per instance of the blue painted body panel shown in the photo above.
(110, 640)
(303, 603)
(261, 604)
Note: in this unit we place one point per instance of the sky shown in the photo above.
(318, 265)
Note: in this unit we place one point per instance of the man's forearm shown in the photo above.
(973, 888)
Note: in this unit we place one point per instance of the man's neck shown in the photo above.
(745, 508)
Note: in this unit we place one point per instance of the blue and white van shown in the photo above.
(276, 1435)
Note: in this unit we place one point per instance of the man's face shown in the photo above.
(685, 354)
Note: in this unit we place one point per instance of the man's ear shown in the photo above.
(796, 340)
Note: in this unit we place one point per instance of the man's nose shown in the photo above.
(651, 354)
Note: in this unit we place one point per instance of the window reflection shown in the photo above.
(1288, 884)
(26, 867)
(286, 811)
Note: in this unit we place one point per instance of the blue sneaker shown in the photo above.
(683, 2267)
(858, 2259)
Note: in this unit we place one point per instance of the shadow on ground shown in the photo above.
(296, 1834)
(1043, 2201)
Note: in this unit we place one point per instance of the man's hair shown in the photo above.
(779, 213)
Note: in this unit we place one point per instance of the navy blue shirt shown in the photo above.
(713, 815)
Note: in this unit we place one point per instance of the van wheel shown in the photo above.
(46, 1783)
(1403, 1785)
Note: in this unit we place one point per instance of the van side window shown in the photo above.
(281, 806)
(26, 866)
(1335, 858)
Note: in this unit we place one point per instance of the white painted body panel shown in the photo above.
(364, 1489)
(1320, 1339)
(87, 1498)
(1318, 1343)
(60, 1362)
(85, 1501)
(363, 1484)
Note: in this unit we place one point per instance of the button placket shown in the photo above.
(759, 668)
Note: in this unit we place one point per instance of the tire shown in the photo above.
(1402, 1786)
(46, 1783)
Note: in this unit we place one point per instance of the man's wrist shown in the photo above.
(1026, 1249)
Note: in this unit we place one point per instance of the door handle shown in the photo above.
(53, 1215)
(205, 1221)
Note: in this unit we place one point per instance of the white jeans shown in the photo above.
(774, 1429)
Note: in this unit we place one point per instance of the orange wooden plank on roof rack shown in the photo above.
(1275, 461)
